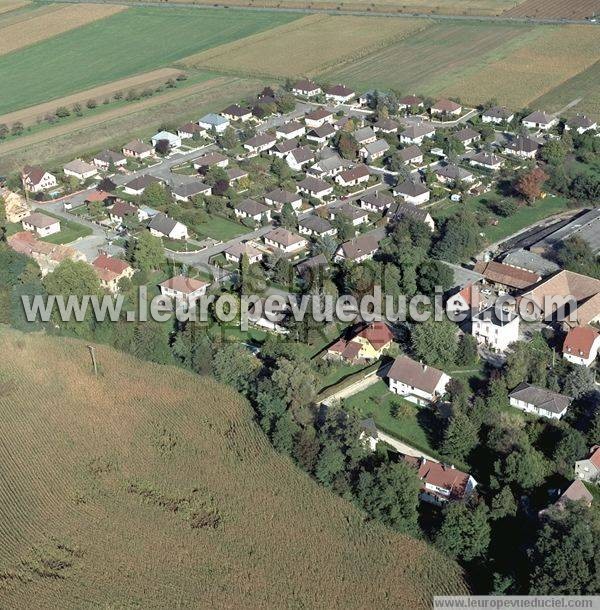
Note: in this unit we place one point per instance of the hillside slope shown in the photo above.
(148, 487)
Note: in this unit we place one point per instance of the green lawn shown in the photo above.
(220, 228)
(134, 41)
(405, 424)
(525, 215)
(69, 230)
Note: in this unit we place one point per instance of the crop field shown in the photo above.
(38, 27)
(556, 55)
(149, 487)
(555, 9)
(11, 5)
(430, 60)
(132, 41)
(444, 7)
(298, 48)
(583, 85)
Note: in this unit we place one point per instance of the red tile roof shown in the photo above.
(109, 263)
(377, 334)
(579, 341)
(183, 284)
(499, 273)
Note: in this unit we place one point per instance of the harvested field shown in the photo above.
(127, 490)
(557, 54)
(296, 49)
(37, 27)
(131, 42)
(442, 7)
(583, 85)
(28, 116)
(430, 60)
(10, 5)
(555, 9)
(116, 126)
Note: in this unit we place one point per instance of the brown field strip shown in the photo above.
(31, 115)
(7, 6)
(150, 487)
(558, 54)
(296, 49)
(555, 9)
(41, 27)
(114, 127)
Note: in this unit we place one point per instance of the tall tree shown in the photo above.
(435, 342)
(465, 532)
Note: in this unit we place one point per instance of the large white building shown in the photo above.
(495, 329)
(419, 383)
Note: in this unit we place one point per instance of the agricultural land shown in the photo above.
(118, 500)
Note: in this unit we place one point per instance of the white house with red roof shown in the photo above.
(581, 345)
(441, 483)
(183, 289)
(37, 179)
(466, 302)
(110, 271)
(367, 345)
(417, 382)
(589, 469)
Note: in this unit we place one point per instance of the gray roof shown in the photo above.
(417, 130)
(496, 316)
(314, 185)
(539, 117)
(190, 189)
(251, 207)
(365, 133)
(282, 196)
(302, 154)
(310, 263)
(586, 226)
(486, 158)
(410, 188)
(523, 144)
(345, 209)
(366, 243)
(379, 199)
(325, 130)
(462, 135)
(541, 398)
(498, 112)
(408, 210)
(410, 152)
(377, 147)
(530, 261)
(315, 223)
(162, 223)
(141, 182)
(260, 140)
(453, 172)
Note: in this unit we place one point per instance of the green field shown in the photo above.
(220, 228)
(134, 41)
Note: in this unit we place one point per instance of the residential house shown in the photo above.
(211, 159)
(417, 382)
(36, 179)
(321, 135)
(412, 192)
(446, 108)
(235, 112)
(486, 160)
(409, 210)
(163, 226)
(248, 208)
(589, 468)
(279, 197)
(505, 276)
(47, 256)
(441, 483)
(497, 115)
(214, 122)
(104, 159)
(375, 150)
(138, 150)
(269, 314)
(260, 143)
(41, 224)
(494, 329)
(80, 169)
(452, 174)
(365, 346)
(361, 248)
(183, 289)
(329, 166)
(539, 401)
(290, 130)
(188, 190)
(416, 133)
(314, 187)
(581, 345)
(465, 303)
(540, 120)
(281, 149)
(138, 185)
(111, 271)
(285, 240)
(365, 135)
(355, 216)
(359, 174)
(581, 123)
(299, 157)
(166, 136)
(310, 265)
(235, 173)
(235, 252)
(386, 126)
(339, 94)
(376, 201)
(306, 88)
(189, 130)
(467, 136)
(410, 102)
(576, 492)
(318, 118)
(315, 226)
(369, 435)
(411, 154)
(123, 210)
(523, 147)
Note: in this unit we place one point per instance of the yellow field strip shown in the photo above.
(32, 114)
(38, 27)
(11, 6)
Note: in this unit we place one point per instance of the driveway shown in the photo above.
(402, 447)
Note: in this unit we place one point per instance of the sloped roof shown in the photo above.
(579, 341)
(506, 275)
(415, 374)
(541, 398)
